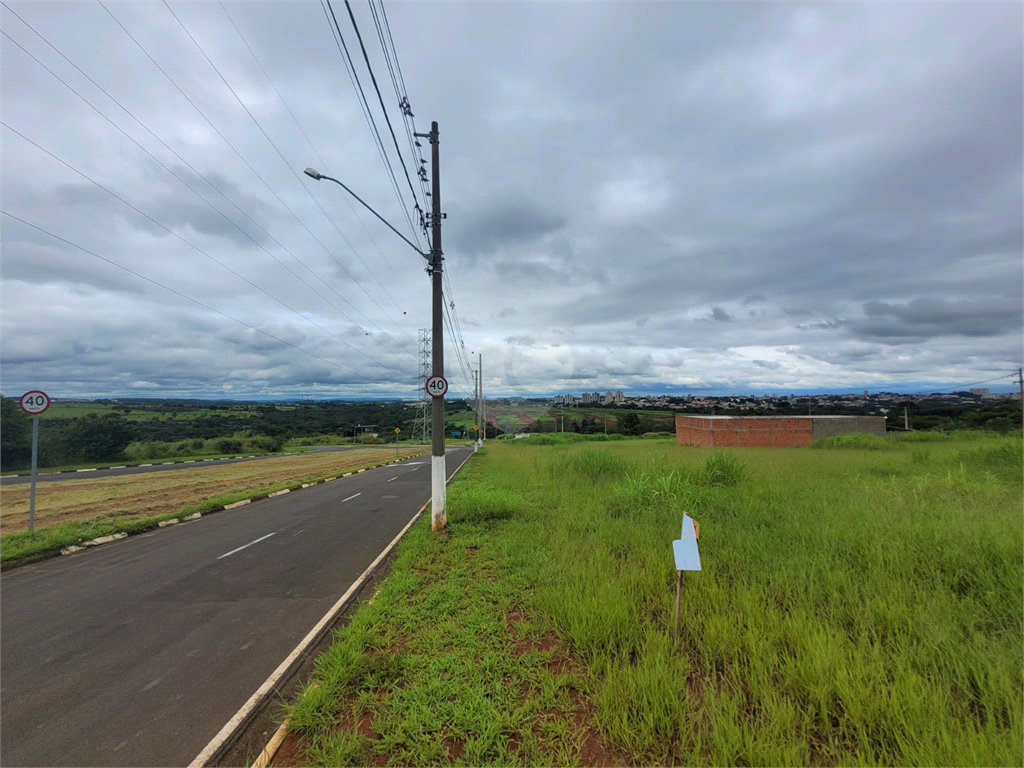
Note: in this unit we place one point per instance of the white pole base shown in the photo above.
(438, 516)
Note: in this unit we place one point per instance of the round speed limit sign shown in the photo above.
(35, 402)
(437, 386)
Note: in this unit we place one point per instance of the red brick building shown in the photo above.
(769, 431)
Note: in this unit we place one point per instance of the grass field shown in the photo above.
(860, 603)
(70, 511)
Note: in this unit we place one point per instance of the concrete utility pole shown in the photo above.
(483, 408)
(476, 409)
(1020, 380)
(438, 516)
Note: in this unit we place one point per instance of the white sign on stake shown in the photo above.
(685, 548)
(687, 556)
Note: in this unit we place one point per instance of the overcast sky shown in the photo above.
(682, 197)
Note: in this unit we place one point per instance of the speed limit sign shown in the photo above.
(437, 386)
(35, 402)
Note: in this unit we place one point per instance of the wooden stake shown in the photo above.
(679, 587)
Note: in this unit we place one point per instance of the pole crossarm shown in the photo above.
(313, 174)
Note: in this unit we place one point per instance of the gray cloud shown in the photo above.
(694, 194)
(926, 317)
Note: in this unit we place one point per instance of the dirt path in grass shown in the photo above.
(523, 417)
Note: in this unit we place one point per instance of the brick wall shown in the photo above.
(768, 431)
(740, 432)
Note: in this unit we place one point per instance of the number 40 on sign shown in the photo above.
(437, 386)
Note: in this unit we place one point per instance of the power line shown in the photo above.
(233, 149)
(192, 245)
(290, 168)
(164, 166)
(403, 98)
(369, 114)
(186, 297)
(308, 140)
(973, 383)
(373, 79)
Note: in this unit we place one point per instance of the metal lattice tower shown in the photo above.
(422, 429)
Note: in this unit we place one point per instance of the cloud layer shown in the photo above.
(716, 197)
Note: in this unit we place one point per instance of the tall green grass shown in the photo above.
(856, 606)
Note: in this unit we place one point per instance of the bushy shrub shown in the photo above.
(265, 443)
(595, 464)
(723, 469)
(229, 445)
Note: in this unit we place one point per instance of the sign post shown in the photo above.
(33, 403)
(687, 556)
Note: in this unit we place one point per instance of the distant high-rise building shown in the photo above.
(609, 398)
(619, 398)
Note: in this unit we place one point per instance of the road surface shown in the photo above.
(138, 652)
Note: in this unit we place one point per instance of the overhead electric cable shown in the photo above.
(183, 181)
(373, 79)
(298, 125)
(233, 149)
(973, 383)
(398, 81)
(191, 245)
(291, 168)
(186, 297)
(369, 114)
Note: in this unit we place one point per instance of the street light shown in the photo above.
(314, 174)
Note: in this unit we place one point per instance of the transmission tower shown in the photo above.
(422, 430)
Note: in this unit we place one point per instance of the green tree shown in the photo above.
(15, 435)
(97, 439)
(629, 424)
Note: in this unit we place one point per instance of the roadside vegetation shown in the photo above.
(71, 511)
(860, 603)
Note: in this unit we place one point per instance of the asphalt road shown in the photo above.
(158, 466)
(136, 653)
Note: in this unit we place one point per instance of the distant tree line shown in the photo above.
(100, 438)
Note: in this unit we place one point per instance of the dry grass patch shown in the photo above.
(130, 497)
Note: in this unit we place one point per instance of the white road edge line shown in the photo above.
(353, 496)
(268, 685)
(261, 538)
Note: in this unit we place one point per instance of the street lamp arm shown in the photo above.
(317, 175)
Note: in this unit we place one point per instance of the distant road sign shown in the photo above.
(437, 386)
(397, 430)
(35, 402)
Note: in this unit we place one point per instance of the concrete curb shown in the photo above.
(72, 549)
(227, 735)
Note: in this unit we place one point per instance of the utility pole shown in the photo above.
(476, 410)
(1020, 380)
(906, 417)
(483, 408)
(438, 516)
